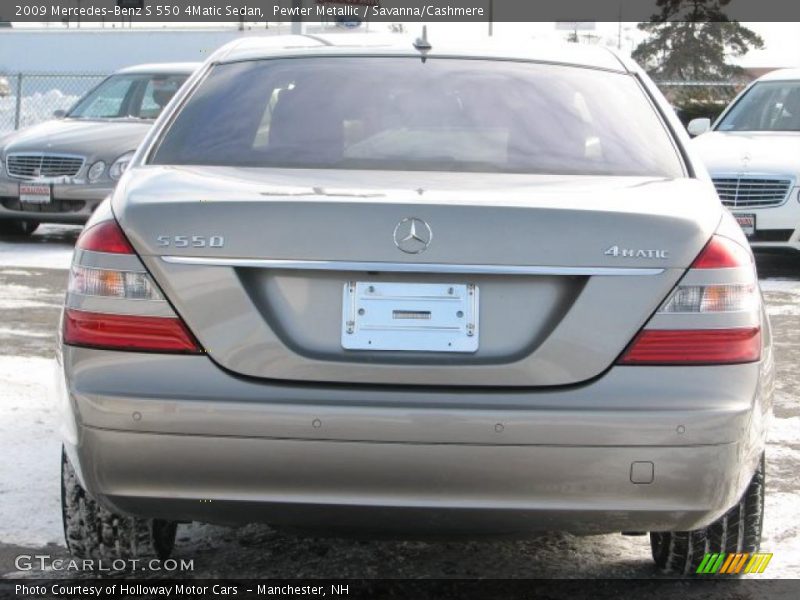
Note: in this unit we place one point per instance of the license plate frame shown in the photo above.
(747, 221)
(410, 317)
(35, 193)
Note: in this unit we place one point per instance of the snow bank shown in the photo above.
(36, 107)
(786, 286)
(50, 248)
(30, 511)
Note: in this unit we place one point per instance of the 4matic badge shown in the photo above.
(617, 251)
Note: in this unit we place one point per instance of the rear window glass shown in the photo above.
(406, 114)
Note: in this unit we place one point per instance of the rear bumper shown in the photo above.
(176, 437)
(433, 488)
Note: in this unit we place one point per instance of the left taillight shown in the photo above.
(113, 303)
(712, 317)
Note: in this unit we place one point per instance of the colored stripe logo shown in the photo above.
(741, 563)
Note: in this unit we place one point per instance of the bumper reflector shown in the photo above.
(694, 347)
(126, 332)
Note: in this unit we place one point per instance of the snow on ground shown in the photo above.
(23, 297)
(784, 296)
(30, 511)
(789, 286)
(35, 256)
(49, 248)
(782, 510)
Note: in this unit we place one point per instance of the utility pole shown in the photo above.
(491, 18)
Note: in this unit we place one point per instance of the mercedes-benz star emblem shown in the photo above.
(412, 235)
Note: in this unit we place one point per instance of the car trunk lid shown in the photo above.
(566, 270)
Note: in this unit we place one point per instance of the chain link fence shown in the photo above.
(30, 98)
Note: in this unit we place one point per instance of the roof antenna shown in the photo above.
(422, 44)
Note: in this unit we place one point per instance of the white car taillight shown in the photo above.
(112, 284)
(712, 298)
(112, 302)
(720, 285)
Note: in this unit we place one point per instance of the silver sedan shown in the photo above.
(60, 170)
(401, 288)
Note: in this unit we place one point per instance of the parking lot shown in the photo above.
(33, 275)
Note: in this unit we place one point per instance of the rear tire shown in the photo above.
(20, 228)
(93, 532)
(738, 530)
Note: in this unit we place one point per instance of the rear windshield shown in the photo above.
(406, 114)
(767, 106)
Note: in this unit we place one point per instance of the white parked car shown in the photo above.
(752, 152)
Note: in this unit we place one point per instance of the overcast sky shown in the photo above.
(782, 39)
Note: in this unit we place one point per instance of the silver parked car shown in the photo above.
(449, 290)
(59, 171)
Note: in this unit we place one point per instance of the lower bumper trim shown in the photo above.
(434, 488)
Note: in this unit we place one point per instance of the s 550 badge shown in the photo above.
(636, 253)
(191, 241)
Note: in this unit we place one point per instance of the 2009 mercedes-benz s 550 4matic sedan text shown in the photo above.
(433, 290)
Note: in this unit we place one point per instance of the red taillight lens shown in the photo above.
(106, 236)
(125, 332)
(722, 253)
(694, 347)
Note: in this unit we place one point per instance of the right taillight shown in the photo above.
(113, 303)
(694, 347)
(712, 317)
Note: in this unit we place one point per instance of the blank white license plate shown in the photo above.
(34, 193)
(747, 223)
(418, 317)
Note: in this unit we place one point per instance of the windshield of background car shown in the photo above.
(406, 114)
(767, 106)
(128, 96)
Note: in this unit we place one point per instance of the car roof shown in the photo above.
(177, 68)
(359, 44)
(781, 75)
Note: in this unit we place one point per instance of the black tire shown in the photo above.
(14, 227)
(738, 530)
(92, 532)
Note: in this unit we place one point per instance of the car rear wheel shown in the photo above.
(13, 227)
(92, 532)
(738, 530)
